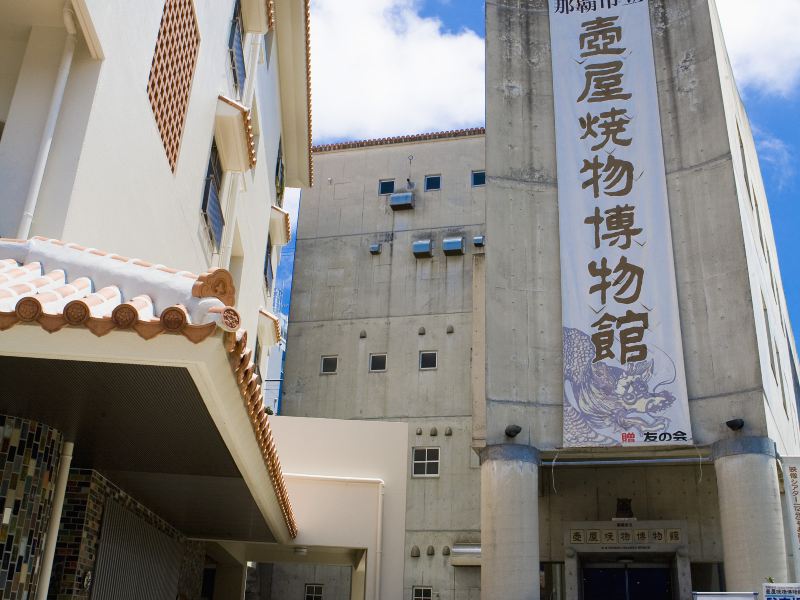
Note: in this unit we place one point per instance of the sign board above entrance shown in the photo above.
(624, 381)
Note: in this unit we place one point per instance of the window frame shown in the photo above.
(313, 594)
(269, 271)
(215, 176)
(237, 32)
(426, 462)
(436, 189)
(422, 596)
(472, 178)
(385, 362)
(380, 184)
(322, 364)
(436, 355)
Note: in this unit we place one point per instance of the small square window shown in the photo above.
(421, 593)
(433, 182)
(386, 187)
(329, 365)
(427, 360)
(478, 178)
(425, 462)
(314, 591)
(377, 363)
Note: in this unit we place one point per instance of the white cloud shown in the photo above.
(379, 69)
(762, 42)
(776, 156)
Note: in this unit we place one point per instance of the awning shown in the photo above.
(162, 418)
(280, 227)
(233, 131)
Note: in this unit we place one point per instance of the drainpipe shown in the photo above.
(50, 125)
(379, 542)
(51, 540)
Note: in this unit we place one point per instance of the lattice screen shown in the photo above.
(172, 72)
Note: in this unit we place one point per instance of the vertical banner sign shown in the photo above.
(790, 465)
(624, 381)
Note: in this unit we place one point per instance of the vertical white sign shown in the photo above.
(624, 381)
(790, 465)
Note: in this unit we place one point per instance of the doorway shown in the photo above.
(627, 581)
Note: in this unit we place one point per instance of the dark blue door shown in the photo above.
(626, 583)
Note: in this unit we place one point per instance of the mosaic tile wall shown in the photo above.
(29, 460)
(79, 538)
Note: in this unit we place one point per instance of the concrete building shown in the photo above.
(138, 459)
(429, 291)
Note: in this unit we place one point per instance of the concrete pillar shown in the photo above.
(750, 513)
(509, 522)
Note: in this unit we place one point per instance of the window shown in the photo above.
(329, 365)
(268, 273)
(433, 182)
(313, 591)
(212, 209)
(236, 50)
(421, 593)
(427, 360)
(386, 187)
(377, 363)
(280, 183)
(172, 71)
(426, 462)
(478, 178)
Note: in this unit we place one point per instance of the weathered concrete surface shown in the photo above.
(752, 522)
(509, 522)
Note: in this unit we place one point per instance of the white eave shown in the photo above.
(233, 132)
(280, 231)
(290, 26)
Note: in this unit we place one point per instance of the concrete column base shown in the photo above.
(751, 516)
(509, 522)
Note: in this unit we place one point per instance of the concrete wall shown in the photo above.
(724, 359)
(342, 292)
(289, 581)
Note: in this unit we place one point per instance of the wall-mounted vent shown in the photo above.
(453, 246)
(479, 241)
(374, 248)
(422, 248)
(402, 201)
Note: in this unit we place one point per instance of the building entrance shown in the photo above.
(627, 581)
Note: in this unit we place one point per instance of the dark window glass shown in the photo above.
(235, 49)
(478, 178)
(212, 210)
(425, 462)
(377, 362)
(330, 364)
(427, 360)
(280, 182)
(386, 187)
(433, 182)
(268, 272)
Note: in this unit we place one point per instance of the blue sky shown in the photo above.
(391, 67)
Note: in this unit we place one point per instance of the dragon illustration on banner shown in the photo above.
(599, 397)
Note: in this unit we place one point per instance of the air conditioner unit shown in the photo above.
(401, 201)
